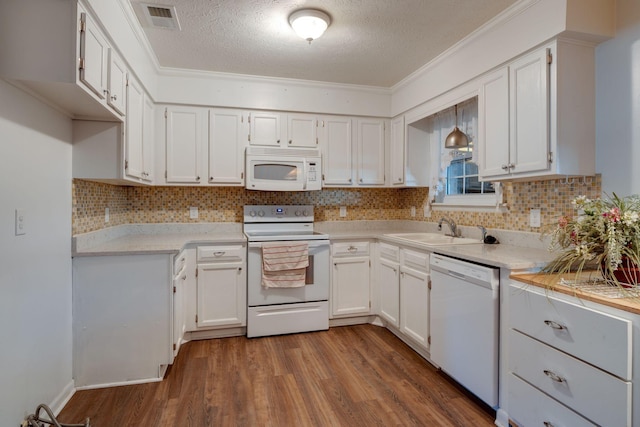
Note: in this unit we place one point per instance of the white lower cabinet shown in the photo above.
(569, 364)
(221, 287)
(122, 323)
(414, 305)
(404, 289)
(180, 280)
(350, 277)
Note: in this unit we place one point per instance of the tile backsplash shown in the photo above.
(131, 205)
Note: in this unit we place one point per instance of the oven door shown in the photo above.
(317, 282)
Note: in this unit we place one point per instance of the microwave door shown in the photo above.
(275, 175)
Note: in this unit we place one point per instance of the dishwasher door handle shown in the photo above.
(456, 275)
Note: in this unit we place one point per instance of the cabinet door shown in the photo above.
(117, 82)
(529, 100)
(493, 125)
(370, 152)
(389, 282)
(179, 283)
(396, 151)
(302, 130)
(350, 286)
(265, 128)
(134, 158)
(221, 295)
(336, 151)
(414, 300)
(93, 57)
(148, 141)
(185, 136)
(227, 136)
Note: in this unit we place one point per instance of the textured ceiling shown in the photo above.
(369, 42)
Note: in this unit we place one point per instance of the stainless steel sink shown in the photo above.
(434, 239)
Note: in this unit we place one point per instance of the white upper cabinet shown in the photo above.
(302, 130)
(337, 147)
(227, 141)
(185, 133)
(265, 128)
(117, 87)
(138, 141)
(370, 156)
(396, 152)
(94, 57)
(536, 116)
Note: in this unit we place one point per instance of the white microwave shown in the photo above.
(283, 169)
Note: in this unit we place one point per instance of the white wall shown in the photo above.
(618, 104)
(35, 269)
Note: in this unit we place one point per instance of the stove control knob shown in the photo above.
(298, 213)
(252, 213)
(305, 213)
(260, 213)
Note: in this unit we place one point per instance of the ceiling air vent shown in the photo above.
(159, 16)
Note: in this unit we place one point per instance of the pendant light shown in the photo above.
(457, 138)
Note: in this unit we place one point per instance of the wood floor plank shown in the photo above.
(348, 376)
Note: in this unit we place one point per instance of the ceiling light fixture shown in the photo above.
(309, 23)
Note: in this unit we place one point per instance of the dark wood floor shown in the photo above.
(347, 376)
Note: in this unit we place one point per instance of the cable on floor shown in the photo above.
(35, 420)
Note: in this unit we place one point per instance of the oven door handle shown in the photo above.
(312, 244)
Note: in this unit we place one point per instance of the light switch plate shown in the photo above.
(106, 214)
(534, 218)
(413, 211)
(193, 212)
(343, 211)
(21, 222)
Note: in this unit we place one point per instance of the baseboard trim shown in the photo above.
(58, 403)
(119, 383)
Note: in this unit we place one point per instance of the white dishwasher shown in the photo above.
(464, 324)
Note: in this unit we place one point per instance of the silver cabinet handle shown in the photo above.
(554, 325)
(399, 179)
(350, 180)
(198, 178)
(505, 167)
(360, 179)
(114, 97)
(554, 377)
(219, 253)
(278, 141)
(352, 249)
(547, 424)
(290, 141)
(184, 277)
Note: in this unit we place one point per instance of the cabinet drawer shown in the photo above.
(389, 252)
(220, 253)
(595, 337)
(597, 395)
(350, 249)
(419, 260)
(528, 406)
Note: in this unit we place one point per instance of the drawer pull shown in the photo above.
(547, 424)
(184, 277)
(219, 253)
(554, 325)
(352, 249)
(554, 377)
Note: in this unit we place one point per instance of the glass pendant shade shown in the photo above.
(309, 23)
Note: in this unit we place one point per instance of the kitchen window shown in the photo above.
(457, 186)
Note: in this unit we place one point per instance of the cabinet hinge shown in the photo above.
(241, 175)
(429, 339)
(249, 118)
(196, 272)
(81, 64)
(316, 140)
(165, 174)
(369, 304)
(126, 164)
(174, 346)
(174, 289)
(549, 56)
(369, 263)
(429, 284)
(83, 23)
(196, 318)
(249, 137)
(323, 177)
(550, 157)
(166, 113)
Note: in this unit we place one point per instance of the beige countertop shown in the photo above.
(171, 238)
(551, 282)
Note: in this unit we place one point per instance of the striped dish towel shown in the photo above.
(284, 264)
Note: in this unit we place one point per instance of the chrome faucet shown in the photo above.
(452, 226)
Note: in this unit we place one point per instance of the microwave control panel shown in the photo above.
(312, 175)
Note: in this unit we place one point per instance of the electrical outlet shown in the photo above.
(193, 212)
(413, 211)
(343, 211)
(534, 218)
(106, 214)
(21, 226)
